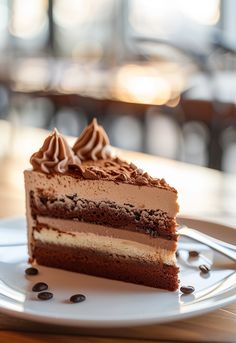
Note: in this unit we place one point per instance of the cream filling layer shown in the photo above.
(105, 244)
(67, 225)
(99, 190)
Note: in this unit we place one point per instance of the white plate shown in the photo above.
(113, 303)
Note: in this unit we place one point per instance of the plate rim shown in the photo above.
(42, 318)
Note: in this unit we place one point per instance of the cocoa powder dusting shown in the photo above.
(114, 169)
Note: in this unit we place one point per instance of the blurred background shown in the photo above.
(160, 75)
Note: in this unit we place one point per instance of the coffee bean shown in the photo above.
(40, 286)
(204, 269)
(77, 298)
(193, 253)
(31, 271)
(187, 289)
(45, 295)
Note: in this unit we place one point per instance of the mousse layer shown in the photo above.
(83, 227)
(141, 197)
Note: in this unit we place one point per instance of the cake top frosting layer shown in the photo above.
(54, 156)
(89, 159)
(117, 170)
(93, 143)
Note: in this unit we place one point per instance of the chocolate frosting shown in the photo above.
(93, 143)
(54, 156)
(90, 159)
(117, 170)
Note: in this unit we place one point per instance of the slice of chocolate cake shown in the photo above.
(92, 213)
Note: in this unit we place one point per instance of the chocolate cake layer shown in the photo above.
(110, 266)
(153, 222)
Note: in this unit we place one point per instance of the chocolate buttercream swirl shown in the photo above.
(54, 156)
(93, 143)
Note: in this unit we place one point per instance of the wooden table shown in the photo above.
(202, 193)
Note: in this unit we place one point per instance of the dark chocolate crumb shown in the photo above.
(187, 289)
(31, 271)
(44, 200)
(72, 197)
(141, 181)
(153, 234)
(177, 254)
(40, 286)
(122, 177)
(77, 298)
(45, 295)
(89, 174)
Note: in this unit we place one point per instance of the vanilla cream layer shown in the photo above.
(100, 190)
(67, 225)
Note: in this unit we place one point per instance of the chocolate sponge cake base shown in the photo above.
(110, 266)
